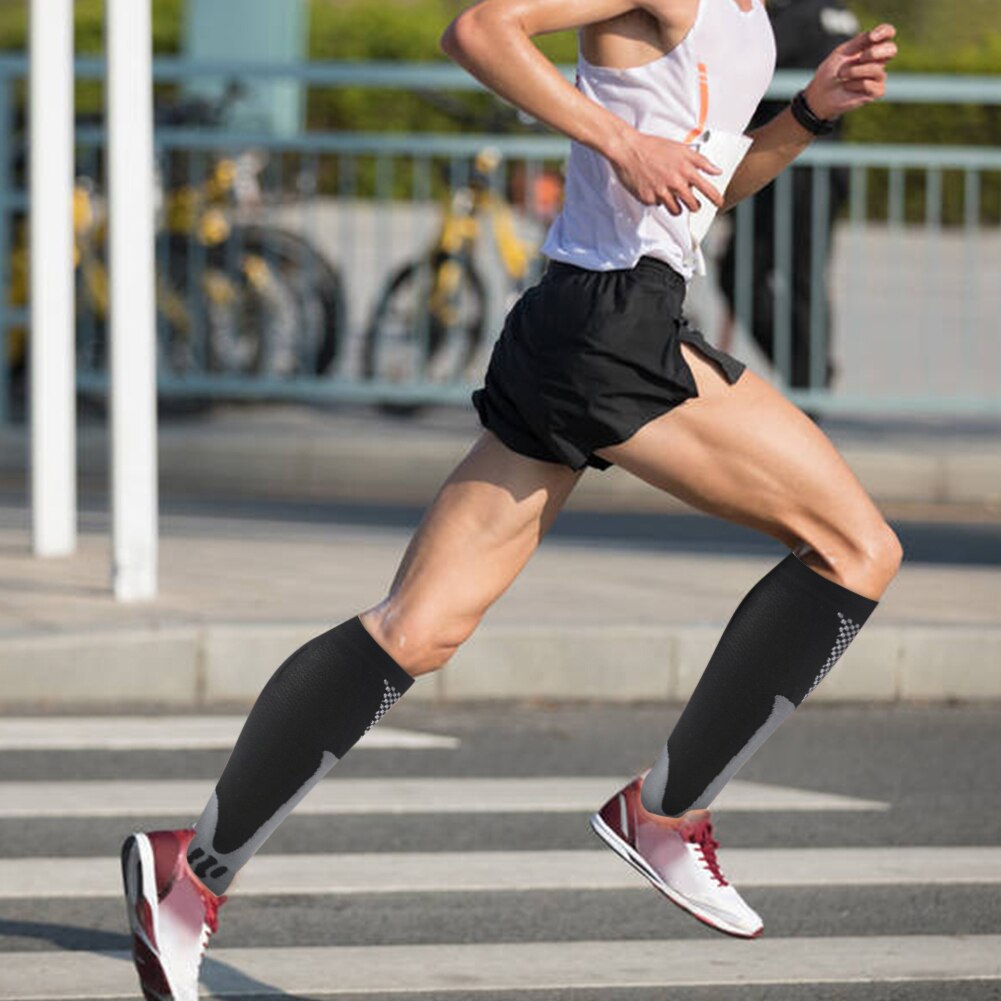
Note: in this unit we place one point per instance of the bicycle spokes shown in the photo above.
(427, 324)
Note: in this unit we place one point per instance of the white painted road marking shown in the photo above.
(361, 970)
(463, 872)
(161, 733)
(389, 796)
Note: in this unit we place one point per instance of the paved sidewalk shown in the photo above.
(589, 618)
(352, 454)
(592, 617)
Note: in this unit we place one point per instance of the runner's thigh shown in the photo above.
(745, 453)
(485, 523)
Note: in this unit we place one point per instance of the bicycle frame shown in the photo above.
(461, 229)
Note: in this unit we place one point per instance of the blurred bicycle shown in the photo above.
(238, 298)
(232, 298)
(429, 319)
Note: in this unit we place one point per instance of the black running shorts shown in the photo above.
(586, 358)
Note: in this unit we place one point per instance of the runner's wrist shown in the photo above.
(816, 103)
(614, 139)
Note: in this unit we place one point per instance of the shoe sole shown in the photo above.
(138, 876)
(630, 855)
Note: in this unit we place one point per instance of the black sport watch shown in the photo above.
(804, 114)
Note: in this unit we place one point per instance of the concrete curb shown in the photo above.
(192, 666)
(408, 468)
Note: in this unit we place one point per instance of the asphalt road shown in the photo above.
(936, 769)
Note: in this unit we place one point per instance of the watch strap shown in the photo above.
(804, 114)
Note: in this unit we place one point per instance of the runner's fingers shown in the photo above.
(679, 190)
(878, 55)
(707, 188)
(867, 39)
(883, 53)
(688, 199)
(704, 164)
(669, 202)
(646, 195)
(868, 88)
(862, 71)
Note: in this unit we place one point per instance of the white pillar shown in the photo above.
(129, 115)
(52, 359)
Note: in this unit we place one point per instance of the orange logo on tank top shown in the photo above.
(703, 104)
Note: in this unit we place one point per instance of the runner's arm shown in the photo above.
(853, 75)
(492, 40)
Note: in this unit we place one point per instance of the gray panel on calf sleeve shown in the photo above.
(655, 784)
(312, 711)
(227, 864)
(783, 639)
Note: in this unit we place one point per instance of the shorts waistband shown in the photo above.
(650, 268)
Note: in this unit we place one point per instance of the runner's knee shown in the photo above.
(420, 640)
(865, 558)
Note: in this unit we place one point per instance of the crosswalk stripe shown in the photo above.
(361, 970)
(102, 733)
(388, 796)
(458, 872)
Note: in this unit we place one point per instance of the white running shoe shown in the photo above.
(681, 862)
(171, 913)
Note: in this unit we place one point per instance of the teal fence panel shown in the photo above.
(377, 267)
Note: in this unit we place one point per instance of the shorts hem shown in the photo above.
(518, 443)
(586, 359)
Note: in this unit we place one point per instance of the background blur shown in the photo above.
(343, 216)
(342, 219)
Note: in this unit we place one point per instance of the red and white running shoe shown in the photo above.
(681, 862)
(171, 913)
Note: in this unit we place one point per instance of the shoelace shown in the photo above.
(211, 923)
(212, 905)
(701, 835)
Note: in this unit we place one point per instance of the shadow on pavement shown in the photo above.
(970, 544)
(69, 937)
(217, 977)
(957, 543)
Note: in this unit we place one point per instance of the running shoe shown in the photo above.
(171, 913)
(680, 862)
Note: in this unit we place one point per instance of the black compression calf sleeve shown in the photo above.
(783, 638)
(309, 715)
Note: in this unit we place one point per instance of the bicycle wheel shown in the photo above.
(214, 309)
(427, 323)
(314, 344)
(263, 302)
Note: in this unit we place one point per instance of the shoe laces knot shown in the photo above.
(701, 835)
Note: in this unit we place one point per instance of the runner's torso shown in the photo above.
(713, 79)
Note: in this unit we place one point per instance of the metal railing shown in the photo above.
(912, 266)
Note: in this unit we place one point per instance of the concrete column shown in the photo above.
(131, 257)
(52, 359)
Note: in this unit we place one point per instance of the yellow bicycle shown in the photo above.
(232, 298)
(242, 299)
(430, 317)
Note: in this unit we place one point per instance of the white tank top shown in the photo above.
(712, 80)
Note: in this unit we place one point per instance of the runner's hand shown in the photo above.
(662, 172)
(854, 74)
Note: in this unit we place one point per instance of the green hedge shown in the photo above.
(967, 45)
